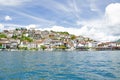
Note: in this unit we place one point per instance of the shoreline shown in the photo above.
(59, 50)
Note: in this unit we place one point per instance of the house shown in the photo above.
(39, 43)
(45, 34)
(56, 43)
(82, 44)
(80, 38)
(92, 44)
(118, 44)
(37, 36)
(32, 45)
(31, 33)
(14, 43)
(47, 41)
(28, 45)
(4, 43)
(9, 34)
(23, 44)
(107, 44)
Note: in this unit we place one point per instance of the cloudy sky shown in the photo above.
(97, 19)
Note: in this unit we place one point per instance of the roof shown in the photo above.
(4, 42)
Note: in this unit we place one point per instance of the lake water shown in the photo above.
(76, 65)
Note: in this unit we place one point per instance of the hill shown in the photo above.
(118, 40)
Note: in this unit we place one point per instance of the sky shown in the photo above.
(97, 19)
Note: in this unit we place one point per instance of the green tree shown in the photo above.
(62, 47)
(14, 37)
(0, 46)
(24, 38)
(43, 47)
(73, 37)
(17, 29)
(2, 35)
(66, 33)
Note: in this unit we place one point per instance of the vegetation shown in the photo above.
(65, 33)
(14, 37)
(24, 38)
(0, 46)
(34, 49)
(43, 47)
(17, 29)
(23, 48)
(56, 40)
(52, 31)
(2, 35)
(62, 47)
(73, 37)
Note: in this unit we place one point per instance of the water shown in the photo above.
(76, 65)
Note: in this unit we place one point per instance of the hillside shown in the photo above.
(118, 40)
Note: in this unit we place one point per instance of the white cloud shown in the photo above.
(113, 13)
(60, 28)
(53, 6)
(31, 26)
(40, 20)
(74, 8)
(8, 18)
(105, 29)
(12, 2)
(4, 26)
(93, 4)
(1, 27)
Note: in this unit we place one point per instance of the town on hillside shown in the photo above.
(32, 39)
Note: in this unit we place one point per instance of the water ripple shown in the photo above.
(104, 73)
(74, 65)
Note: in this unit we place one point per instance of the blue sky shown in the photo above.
(80, 17)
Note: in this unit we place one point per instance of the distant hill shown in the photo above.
(118, 40)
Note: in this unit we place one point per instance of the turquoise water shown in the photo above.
(76, 65)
